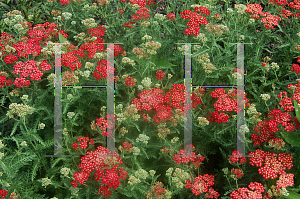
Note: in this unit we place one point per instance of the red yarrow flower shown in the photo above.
(170, 16)
(104, 191)
(285, 180)
(271, 164)
(130, 81)
(10, 59)
(202, 9)
(121, 11)
(237, 156)
(295, 68)
(3, 193)
(255, 191)
(160, 74)
(236, 173)
(64, 2)
(201, 184)
(254, 9)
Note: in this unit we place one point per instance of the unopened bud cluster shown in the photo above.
(145, 24)
(254, 115)
(1, 144)
(244, 129)
(79, 36)
(67, 15)
(179, 176)
(147, 82)
(136, 151)
(175, 139)
(160, 17)
(20, 109)
(265, 97)
(241, 8)
(65, 171)
(126, 60)
(203, 121)
(46, 182)
(183, 48)
(236, 75)
(142, 138)
(141, 174)
(205, 61)
(216, 28)
(201, 37)
(133, 180)
(90, 23)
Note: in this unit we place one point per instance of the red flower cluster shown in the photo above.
(255, 9)
(83, 142)
(20, 82)
(268, 20)
(295, 4)
(285, 13)
(196, 98)
(10, 59)
(127, 146)
(130, 81)
(226, 102)
(295, 68)
(102, 123)
(149, 99)
(141, 3)
(32, 46)
(64, 2)
(285, 180)
(106, 170)
(236, 173)
(268, 127)
(273, 163)
(4, 81)
(28, 68)
(121, 11)
(6, 39)
(184, 157)
(153, 99)
(101, 70)
(170, 16)
(195, 21)
(157, 191)
(128, 24)
(255, 191)
(3, 193)
(237, 156)
(202, 9)
(142, 13)
(160, 74)
(203, 184)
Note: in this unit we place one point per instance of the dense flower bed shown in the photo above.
(145, 52)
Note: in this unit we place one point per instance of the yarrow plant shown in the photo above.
(126, 123)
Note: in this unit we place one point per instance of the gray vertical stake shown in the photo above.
(240, 136)
(187, 106)
(110, 142)
(58, 106)
(188, 134)
(240, 100)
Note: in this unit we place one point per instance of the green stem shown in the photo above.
(228, 182)
(24, 123)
